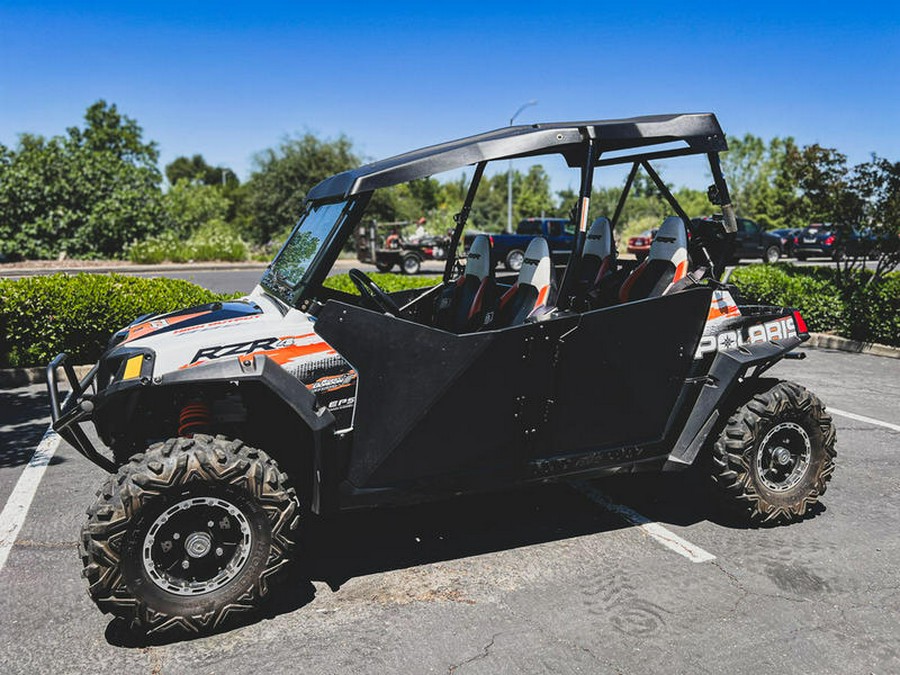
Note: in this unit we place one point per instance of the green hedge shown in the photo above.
(41, 316)
(866, 313)
(390, 283)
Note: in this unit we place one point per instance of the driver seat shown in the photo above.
(665, 266)
(470, 303)
(534, 292)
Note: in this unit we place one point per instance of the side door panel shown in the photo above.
(432, 405)
(622, 369)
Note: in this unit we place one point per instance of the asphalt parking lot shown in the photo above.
(555, 579)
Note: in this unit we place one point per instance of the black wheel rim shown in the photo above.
(196, 546)
(783, 457)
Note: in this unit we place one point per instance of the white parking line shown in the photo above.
(652, 529)
(13, 515)
(863, 418)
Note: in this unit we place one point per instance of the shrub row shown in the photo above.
(213, 241)
(869, 313)
(41, 316)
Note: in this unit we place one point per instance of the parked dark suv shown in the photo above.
(751, 241)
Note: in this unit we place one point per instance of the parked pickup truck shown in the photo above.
(510, 248)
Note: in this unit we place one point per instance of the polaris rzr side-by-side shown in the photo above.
(221, 420)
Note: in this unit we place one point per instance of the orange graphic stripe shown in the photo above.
(154, 325)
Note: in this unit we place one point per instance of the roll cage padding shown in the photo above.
(666, 263)
(532, 294)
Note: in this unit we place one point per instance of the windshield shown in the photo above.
(291, 267)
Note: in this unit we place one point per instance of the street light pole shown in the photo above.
(509, 173)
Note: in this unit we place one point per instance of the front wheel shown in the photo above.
(188, 535)
(775, 456)
(772, 254)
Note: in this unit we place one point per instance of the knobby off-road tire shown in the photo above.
(775, 456)
(188, 535)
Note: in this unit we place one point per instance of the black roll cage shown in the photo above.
(587, 145)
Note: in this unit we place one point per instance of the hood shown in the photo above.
(213, 312)
(206, 333)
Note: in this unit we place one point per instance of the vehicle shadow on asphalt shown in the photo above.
(24, 415)
(339, 548)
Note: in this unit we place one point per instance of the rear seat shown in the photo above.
(665, 266)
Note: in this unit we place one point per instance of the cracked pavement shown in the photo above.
(541, 580)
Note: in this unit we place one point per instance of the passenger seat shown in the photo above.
(534, 292)
(666, 264)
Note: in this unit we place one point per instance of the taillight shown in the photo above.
(428, 251)
(829, 241)
(801, 324)
(491, 240)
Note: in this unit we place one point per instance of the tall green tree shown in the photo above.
(754, 171)
(282, 177)
(87, 193)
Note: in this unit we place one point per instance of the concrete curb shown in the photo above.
(825, 341)
(21, 377)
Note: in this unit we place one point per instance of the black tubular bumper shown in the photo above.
(74, 409)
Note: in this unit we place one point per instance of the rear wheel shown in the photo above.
(514, 260)
(772, 254)
(774, 457)
(188, 535)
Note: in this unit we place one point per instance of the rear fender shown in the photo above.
(728, 370)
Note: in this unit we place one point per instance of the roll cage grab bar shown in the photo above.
(717, 192)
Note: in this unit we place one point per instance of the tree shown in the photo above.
(195, 169)
(87, 193)
(754, 171)
(283, 176)
(191, 205)
(877, 187)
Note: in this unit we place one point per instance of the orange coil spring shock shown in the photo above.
(195, 417)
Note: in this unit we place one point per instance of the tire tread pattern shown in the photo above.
(734, 451)
(167, 465)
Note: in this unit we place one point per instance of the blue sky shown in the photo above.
(227, 80)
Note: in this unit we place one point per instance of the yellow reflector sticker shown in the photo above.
(133, 367)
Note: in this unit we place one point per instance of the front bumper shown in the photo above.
(76, 408)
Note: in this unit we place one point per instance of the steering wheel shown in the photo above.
(372, 294)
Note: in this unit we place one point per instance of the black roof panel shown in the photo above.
(700, 131)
